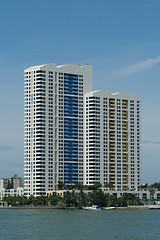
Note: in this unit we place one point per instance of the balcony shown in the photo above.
(124, 104)
(125, 126)
(112, 147)
(112, 103)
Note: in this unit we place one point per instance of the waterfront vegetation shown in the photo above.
(78, 199)
(154, 187)
(75, 199)
(62, 186)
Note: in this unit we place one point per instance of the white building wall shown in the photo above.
(44, 151)
(1, 183)
(11, 192)
(112, 121)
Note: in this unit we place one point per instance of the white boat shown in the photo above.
(154, 207)
(94, 207)
(109, 208)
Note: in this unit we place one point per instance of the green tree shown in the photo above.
(82, 199)
(144, 187)
(61, 185)
(79, 186)
(54, 199)
(156, 186)
(111, 201)
(70, 199)
(109, 185)
(97, 198)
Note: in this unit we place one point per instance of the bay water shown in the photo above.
(47, 224)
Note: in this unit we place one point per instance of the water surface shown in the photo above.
(43, 224)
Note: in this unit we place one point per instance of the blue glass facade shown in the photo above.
(70, 84)
(70, 128)
(71, 173)
(70, 151)
(70, 106)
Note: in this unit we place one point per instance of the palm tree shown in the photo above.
(109, 185)
(82, 199)
(143, 186)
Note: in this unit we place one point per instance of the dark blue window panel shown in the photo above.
(70, 135)
(70, 106)
(70, 84)
(70, 128)
(70, 151)
(70, 172)
(71, 121)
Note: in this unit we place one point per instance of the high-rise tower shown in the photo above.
(53, 125)
(112, 140)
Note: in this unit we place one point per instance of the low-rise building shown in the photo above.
(11, 192)
(143, 195)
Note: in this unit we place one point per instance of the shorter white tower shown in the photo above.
(112, 140)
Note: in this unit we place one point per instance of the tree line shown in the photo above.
(80, 198)
(75, 199)
(110, 186)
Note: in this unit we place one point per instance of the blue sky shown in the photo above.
(120, 39)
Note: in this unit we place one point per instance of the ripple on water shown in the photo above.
(79, 224)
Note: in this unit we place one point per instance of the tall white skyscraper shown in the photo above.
(112, 140)
(53, 125)
(73, 134)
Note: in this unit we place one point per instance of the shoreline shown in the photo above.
(76, 208)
